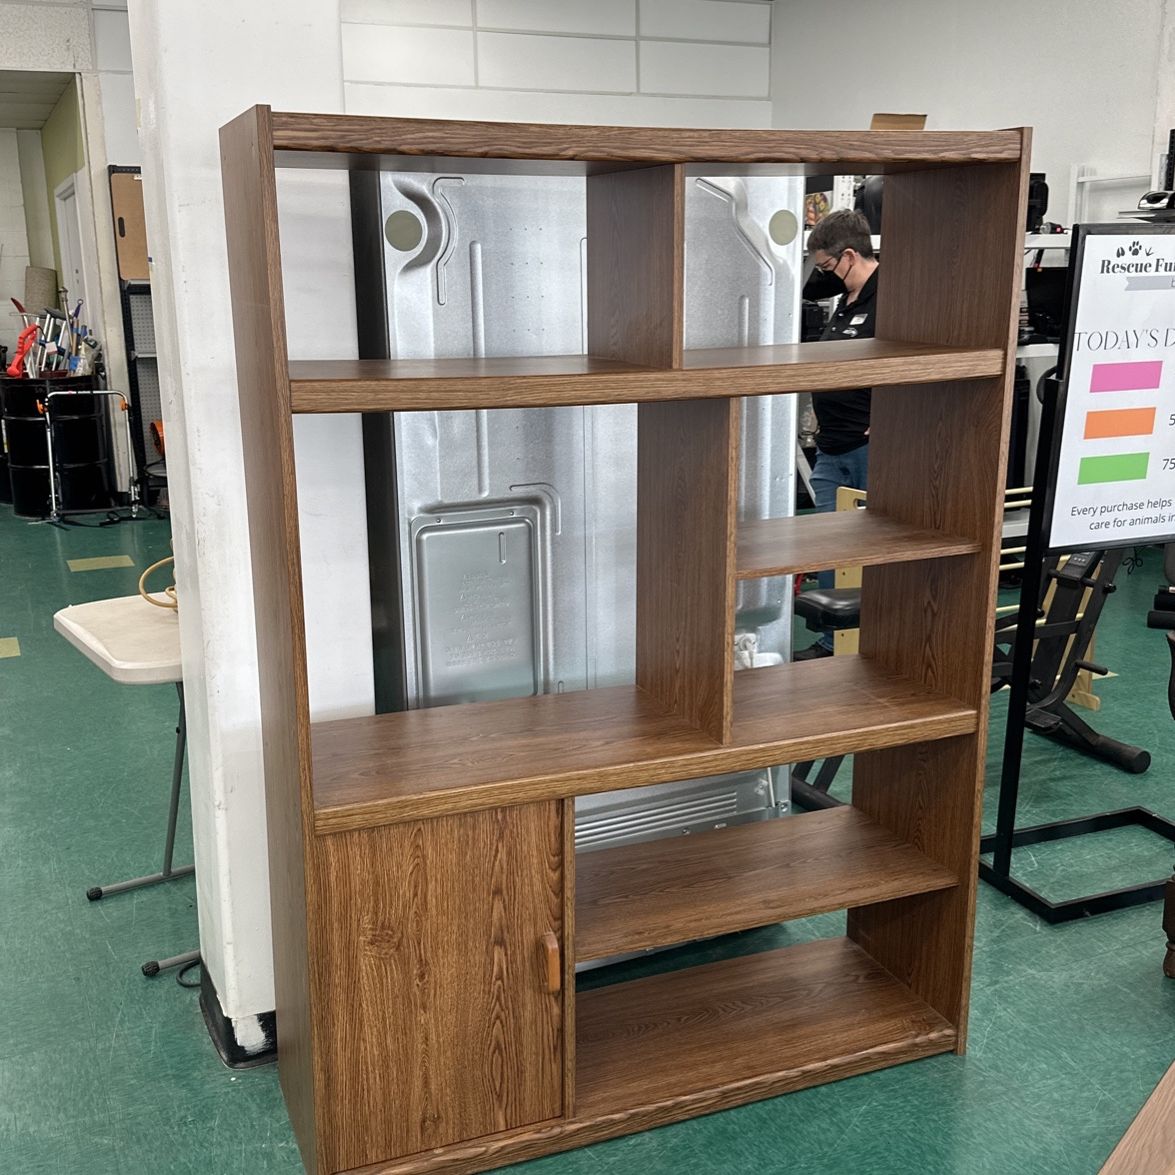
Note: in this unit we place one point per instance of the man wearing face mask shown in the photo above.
(842, 257)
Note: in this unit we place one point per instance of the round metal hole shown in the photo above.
(783, 227)
(403, 231)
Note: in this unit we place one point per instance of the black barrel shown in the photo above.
(80, 444)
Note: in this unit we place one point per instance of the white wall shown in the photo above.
(652, 62)
(182, 106)
(14, 243)
(1082, 73)
(36, 192)
(112, 52)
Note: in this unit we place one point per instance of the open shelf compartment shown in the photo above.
(634, 897)
(421, 763)
(744, 1028)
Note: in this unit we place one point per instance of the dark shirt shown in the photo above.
(843, 417)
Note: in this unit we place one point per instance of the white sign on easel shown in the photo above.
(1113, 469)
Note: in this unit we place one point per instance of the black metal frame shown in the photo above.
(149, 481)
(998, 872)
(1083, 907)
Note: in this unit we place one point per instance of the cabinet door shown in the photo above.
(435, 960)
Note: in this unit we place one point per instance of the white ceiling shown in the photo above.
(27, 97)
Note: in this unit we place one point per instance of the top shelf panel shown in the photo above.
(402, 385)
(350, 141)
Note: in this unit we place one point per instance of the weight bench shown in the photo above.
(823, 609)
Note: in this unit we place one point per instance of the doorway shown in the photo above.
(72, 278)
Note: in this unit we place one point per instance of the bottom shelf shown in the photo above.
(708, 1037)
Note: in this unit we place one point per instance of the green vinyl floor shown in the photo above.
(103, 1071)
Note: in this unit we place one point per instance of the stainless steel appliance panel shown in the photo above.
(516, 528)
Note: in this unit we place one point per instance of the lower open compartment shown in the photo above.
(674, 1045)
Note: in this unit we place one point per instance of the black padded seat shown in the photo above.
(825, 608)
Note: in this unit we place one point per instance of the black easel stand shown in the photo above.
(1007, 836)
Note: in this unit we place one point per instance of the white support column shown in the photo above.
(196, 67)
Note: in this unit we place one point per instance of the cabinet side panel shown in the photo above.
(950, 275)
(687, 484)
(635, 249)
(250, 200)
(434, 982)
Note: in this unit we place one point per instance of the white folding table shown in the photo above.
(135, 643)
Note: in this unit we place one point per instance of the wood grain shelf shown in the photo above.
(845, 538)
(745, 1028)
(332, 140)
(421, 763)
(400, 385)
(634, 897)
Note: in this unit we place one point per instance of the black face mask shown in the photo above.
(822, 285)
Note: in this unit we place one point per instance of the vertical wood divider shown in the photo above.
(687, 486)
(950, 275)
(635, 265)
(250, 194)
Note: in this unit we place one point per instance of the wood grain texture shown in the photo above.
(691, 1042)
(853, 151)
(846, 538)
(387, 385)
(635, 268)
(433, 982)
(686, 511)
(418, 763)
(953, 248)
(259, 324)
(892, 362)
(423, 1017)
(937, 460)
(665, 1037)
(926, 796)
(633, 897)
(1148, 1146)
(569, 876)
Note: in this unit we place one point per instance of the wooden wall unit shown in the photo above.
(427, 915)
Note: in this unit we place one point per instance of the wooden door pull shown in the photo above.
(552, 963)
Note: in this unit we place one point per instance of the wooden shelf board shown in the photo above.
(634, 897)
(349, 140)
(865, 362)
(845, 538)
(421, 763)
(745, 1028)
(387, 385)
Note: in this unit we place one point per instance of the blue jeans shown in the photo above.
(830, 472)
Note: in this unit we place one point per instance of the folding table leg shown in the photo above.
(177, 777)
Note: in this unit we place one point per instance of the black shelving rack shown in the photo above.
(138, 325)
